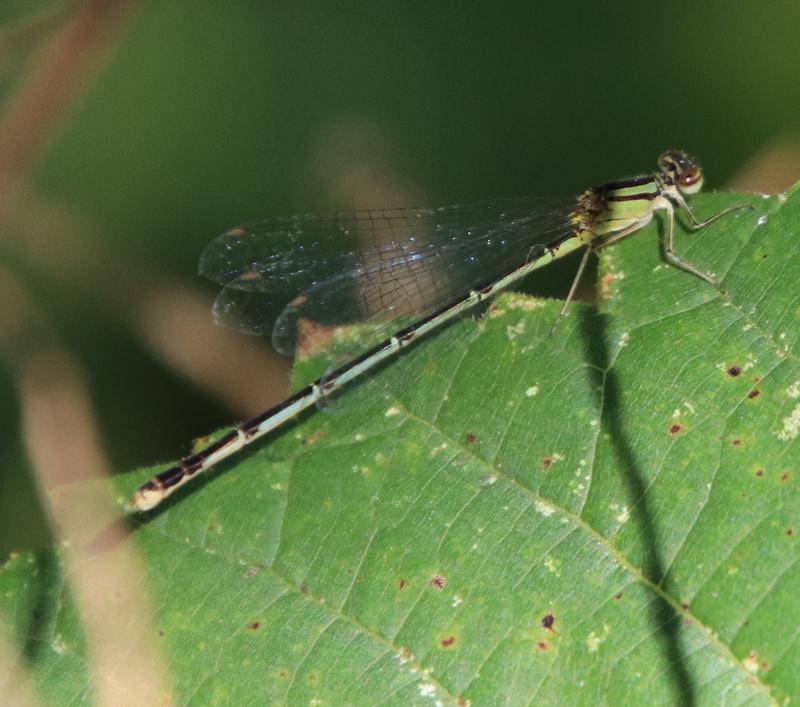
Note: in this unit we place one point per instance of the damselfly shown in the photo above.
(437, 262)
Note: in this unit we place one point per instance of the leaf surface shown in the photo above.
(607, 516)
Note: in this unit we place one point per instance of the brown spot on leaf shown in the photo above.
(253, 626)
(547, 621)
(759, 472)
(736, 442)
(785, 476)
(283, 673)
(303, 589)
(252, 572)
(618, 596)
(313, 438)
(471, 438)
(675, 428)
(447, 642)
(546, 462)
(161, 633)
(542, 646)
(438, 582)
(734, 371)
(605, 284)
(402, 584)
(790, 532)
(754, 393)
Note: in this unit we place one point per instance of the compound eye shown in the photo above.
(690, 177)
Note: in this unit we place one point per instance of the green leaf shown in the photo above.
(607, 516)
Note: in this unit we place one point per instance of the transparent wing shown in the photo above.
(373, 266)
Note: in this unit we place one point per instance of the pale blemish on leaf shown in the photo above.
(526, 304)
(532, 391)
(515, 330)
(622, 511)
(791, 426)
(435, 451)
(392, 411)
(594, 640)
(750, 662)
(427, 689)
(578, 488)
(553, 565)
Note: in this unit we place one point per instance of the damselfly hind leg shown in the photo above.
(573, 287)
(595, 245)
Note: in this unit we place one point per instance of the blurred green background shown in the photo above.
(204, 114)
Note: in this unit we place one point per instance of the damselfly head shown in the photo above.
(682, 170)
